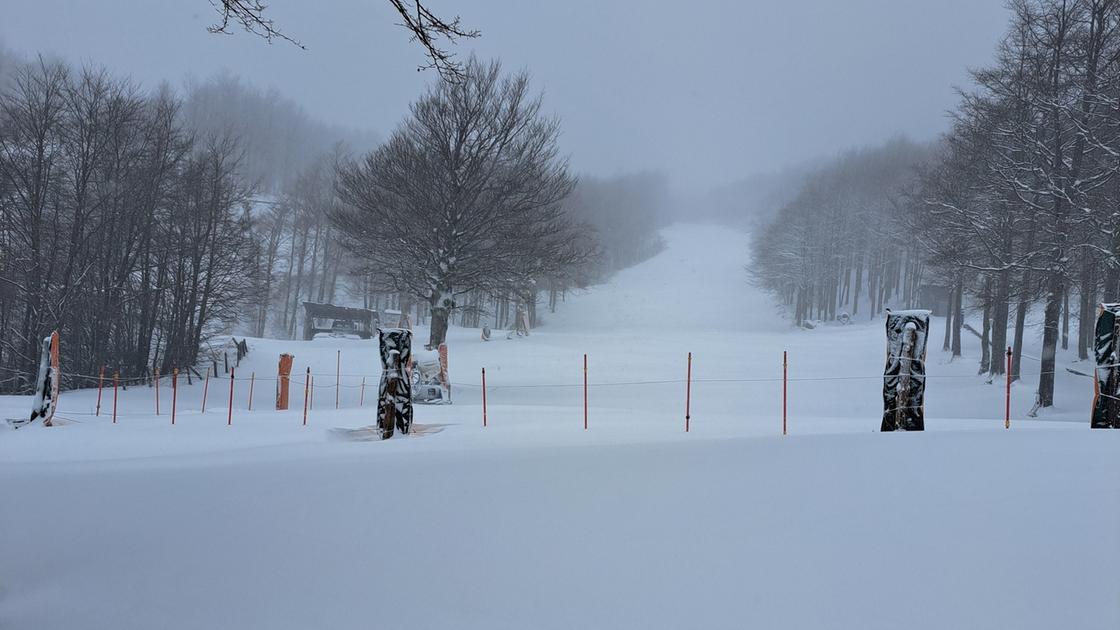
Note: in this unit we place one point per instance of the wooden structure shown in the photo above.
(338, 320)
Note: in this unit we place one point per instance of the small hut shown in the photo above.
(338, 321)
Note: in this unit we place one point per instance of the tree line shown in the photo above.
(118, 227)
(140, 224)
(1012, 211)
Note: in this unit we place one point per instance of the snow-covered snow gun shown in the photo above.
(394, 407)
(904, 379)
(1106, 384)
(45, 401)
(430, 383)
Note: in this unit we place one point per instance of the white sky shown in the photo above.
(707, 91)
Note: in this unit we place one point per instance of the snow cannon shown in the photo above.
(394, 404)
(904, 379)
(1106, 384)
(430, 384)
(45, 400)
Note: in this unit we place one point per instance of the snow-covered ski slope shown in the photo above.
(533, 522)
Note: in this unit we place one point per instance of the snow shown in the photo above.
(533, 522)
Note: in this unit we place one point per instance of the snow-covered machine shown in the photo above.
(45, 401)
(1106, 385)
(394, 405)
(904, 379)
(430, 384)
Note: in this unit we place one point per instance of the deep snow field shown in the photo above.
(533, 522)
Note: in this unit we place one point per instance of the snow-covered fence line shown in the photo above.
(245, 385)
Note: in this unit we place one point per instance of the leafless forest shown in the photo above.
(1014, 208)
(140, 221)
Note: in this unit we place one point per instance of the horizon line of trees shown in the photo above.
(119, 227)
(1014, 209)
(141, 224)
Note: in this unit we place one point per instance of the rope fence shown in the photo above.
(104, 381)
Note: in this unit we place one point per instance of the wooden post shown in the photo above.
(306, 387)
(1007, 409)
(785, 388)
(116, 381)
(252, 382)
(283, 378)
(585, 391)
(483, 398)
(205, 389)
(100, 379)
(157, 391)
(688, 395)
(174, 392)
(337, 376)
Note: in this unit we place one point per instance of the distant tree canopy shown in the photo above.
(626, 211)
(278, 139)
(465, 196)
(836, 246)
(1014, 209)
(430, 30)
(118, 227)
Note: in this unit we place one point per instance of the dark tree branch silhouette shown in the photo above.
(433, 32)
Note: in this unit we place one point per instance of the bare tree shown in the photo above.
(433, 32)
(465, 196)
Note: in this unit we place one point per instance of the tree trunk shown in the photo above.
(1050, 339)
(985, 338)
(958, 315)
(1087, 295)
(999, 323)
(947, 343)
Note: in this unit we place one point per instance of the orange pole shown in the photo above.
(252, 382)
(205, 389)
(1007, 410)
(785, 388)
(229, 418)
(688, 395)
(337, 376)
(116, 380)
(362, 399)
(100, 378)
(174, 392)
(585, 391)
(306, 387)
(157, 391)
(484, 398)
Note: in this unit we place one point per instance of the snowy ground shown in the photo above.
(533, 522)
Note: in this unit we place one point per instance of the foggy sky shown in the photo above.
(706, 91)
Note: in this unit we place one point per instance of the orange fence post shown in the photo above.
(337, 376)
(229, 418)
(157, 391)
(252, 382)
(100, 379)
(116, 381)
(205, 389)
(283, 378)
(785, 388)
(585, 391)
(1007, 410)
(484, 398)
(362, 399)
(688, 395)
(174, 391)
(306, 386)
